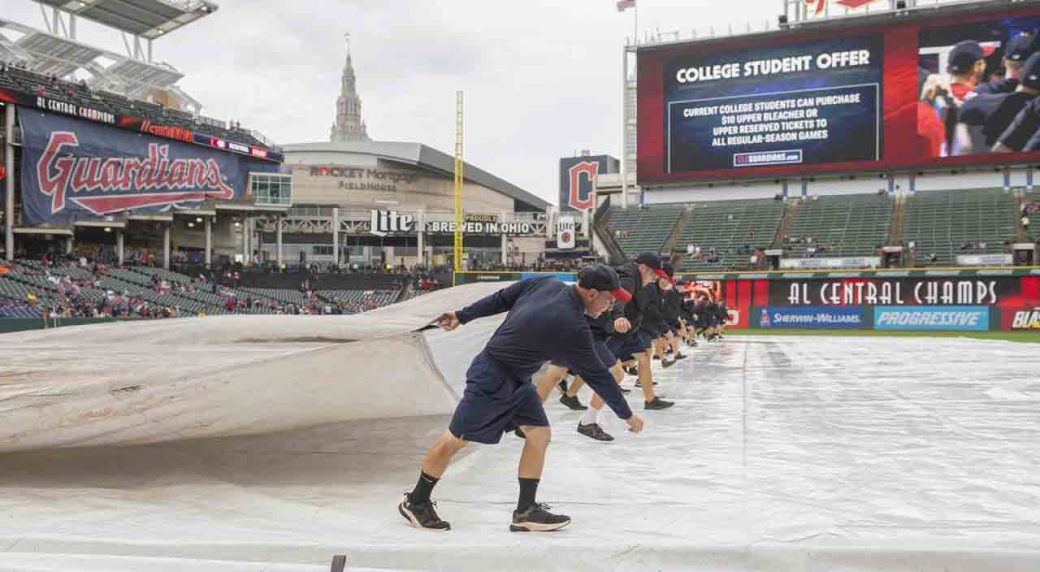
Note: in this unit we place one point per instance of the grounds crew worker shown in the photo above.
(546, 321)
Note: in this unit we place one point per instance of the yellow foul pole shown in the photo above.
(458, 181)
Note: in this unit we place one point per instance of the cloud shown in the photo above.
(541, 77)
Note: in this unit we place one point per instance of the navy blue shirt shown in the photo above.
(994, 112)
(672, 305)
(1023, 127)
(546, 322)
(1006, 85)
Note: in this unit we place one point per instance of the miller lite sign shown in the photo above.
(565, 232)
(390, 222)
(75, 169)
(578, 177)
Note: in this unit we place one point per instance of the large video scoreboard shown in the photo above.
(887, 94)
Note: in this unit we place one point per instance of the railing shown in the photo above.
(599, 227)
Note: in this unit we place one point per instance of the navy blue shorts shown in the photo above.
(623, 348)
(495, 402)
(605, 355)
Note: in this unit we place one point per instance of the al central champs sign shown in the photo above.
(75, 170)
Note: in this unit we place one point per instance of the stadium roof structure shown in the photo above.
(147, 19)
(50, 54)
(418, 155)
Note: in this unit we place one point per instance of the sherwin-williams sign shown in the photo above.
(812, 317)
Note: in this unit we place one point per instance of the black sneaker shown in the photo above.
(657, 357)
(680, 356)
(657, 404)
(563, 386)
(630, 370)
(594, 431)
(624, 390)
(573, 402)
(422, 514)
(667, 364)
(641, 385)
(537, 518)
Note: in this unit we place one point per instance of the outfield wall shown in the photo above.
(984, 299)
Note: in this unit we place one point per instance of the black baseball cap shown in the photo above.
(669, 271)
(1030, 76)
(602, 277)
(1020, 47)
(963, 56)
(653, 261)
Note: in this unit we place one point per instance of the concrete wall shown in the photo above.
(367, 184)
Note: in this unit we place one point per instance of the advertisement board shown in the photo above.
(74, 169)
(959, 318)
(812, 317)
(796, 104)
(920, 291)
(1021, 319)
(873, 94)
(387, 223)
(578, 180)
(101, 115)
(921, 303)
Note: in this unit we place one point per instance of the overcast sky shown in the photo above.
(541, 77)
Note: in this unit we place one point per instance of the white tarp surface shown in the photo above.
(164, 380)
(784, 453)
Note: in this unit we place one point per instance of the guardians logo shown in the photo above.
(104, 185)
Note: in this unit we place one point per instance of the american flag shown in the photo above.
(623, 5)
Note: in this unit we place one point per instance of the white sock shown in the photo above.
(589, 417)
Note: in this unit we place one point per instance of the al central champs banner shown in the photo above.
(74, 169)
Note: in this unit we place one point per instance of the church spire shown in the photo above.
(348, 126)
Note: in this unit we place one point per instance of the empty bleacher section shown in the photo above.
(943, 224)
(643, 229)
(724, 234)
(838, 226)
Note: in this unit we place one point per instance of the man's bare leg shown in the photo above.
(440, 454)
(674, 343)
(597, 402)
(589, 424)
(644, 376)
(575, 386)
(529, 515)
(550, 378)
(532, 459)
(416, 507)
